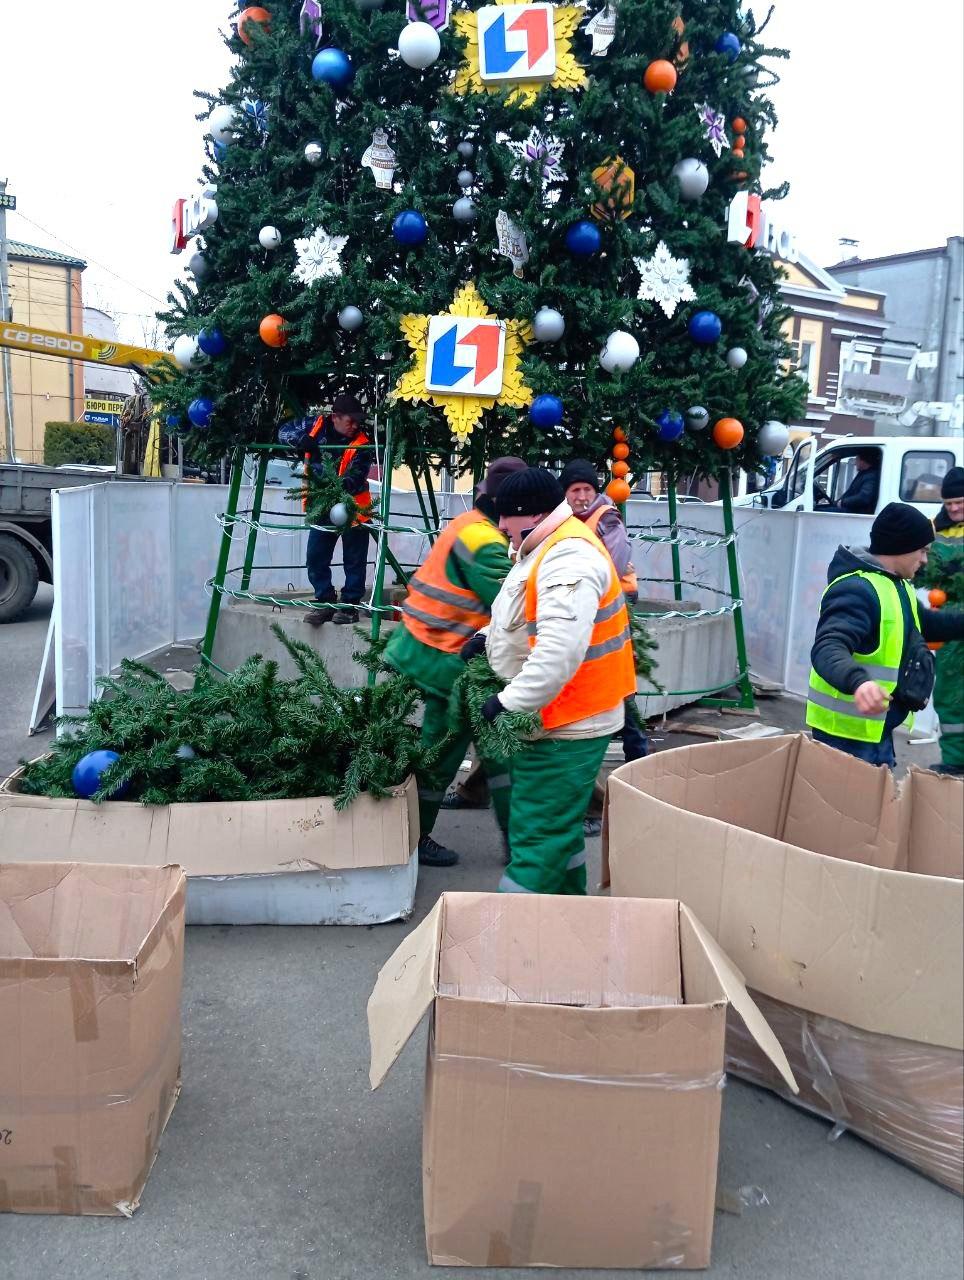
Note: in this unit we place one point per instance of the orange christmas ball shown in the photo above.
(620, 470)
(620, 451)
(728, 433)
(254, 13)
(272, 331)
(619, 433)
(739, 140)
(618, 490)
(739, 124)
(660, 76)
(738, 153)
(936, 597)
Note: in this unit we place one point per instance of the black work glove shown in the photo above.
(492, 708)
(472, 648)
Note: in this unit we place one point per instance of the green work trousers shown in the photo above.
(552, 782)
(433, 785)
(949, 702)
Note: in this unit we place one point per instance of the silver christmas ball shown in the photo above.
(269, 237)
(697, 418)
(736, 357)
(466, 149)
(464, 210)
(548, 325)
(465, 178)
(198, 266)
(338, 514)
(693, 178)
(772, 439)
(350, 318)
(314, 154)
(620, 352)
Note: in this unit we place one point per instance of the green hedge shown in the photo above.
(78, 442)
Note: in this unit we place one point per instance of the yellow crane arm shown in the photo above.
(77, 346)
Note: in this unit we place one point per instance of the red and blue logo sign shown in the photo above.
(516, 42)
(465, 356)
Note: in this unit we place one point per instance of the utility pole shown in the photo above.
(6, 315)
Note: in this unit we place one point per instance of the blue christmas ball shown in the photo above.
(545, 412)
(212, 342)
(220, 152)
(172, 421)
(89, 770)
(705, 328)
(409, 227)
(583, 239)
(671, 425)
(334, 67)
(200, 410)
(729, 43)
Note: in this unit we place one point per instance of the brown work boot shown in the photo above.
(319, 614)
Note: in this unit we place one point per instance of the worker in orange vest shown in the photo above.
(449, 598)
(312, 440)
(560, 638)
(598, 512)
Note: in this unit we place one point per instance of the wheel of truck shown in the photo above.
(18, 578)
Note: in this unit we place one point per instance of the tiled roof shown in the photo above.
(33, 253)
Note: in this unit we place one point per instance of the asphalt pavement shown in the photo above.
(280, 1164)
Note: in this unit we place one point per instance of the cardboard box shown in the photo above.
(248, 862)
(838, 894)
(572, 1092)
(90, 1001)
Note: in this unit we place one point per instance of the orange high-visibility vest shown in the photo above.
(439, 612)
(363, 500)
(628, 580)
(608, 672)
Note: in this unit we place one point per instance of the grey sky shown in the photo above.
(99, 136)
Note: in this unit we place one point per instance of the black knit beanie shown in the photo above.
(533, 492)
(349, 406)
(579, 471)
(900, 529)
(953, 486)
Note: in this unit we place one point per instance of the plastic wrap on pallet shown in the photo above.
(904, 1097)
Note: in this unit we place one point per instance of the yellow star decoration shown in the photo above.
(464, 412)
(569, 74)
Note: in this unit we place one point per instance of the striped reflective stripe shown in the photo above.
(438, 624)
(471, 603)
(879, 673)
(612, 645)
(577, 860)
(951, 728)
(845, 706)
(610, 610)
(461, 550)
(499, 781)
(507, 885)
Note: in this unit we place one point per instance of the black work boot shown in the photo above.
(346, 616)
(319, 615)
(433, 854)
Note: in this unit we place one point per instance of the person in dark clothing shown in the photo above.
(860, 498)
(868, 615)
(352, 459)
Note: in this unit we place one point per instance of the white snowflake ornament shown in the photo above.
(318, 256)
(714, 127)
(665, 280)
(543, 150)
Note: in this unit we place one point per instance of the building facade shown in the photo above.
(46, 292)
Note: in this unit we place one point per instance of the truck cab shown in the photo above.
(908, 469)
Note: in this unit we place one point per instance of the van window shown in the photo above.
(922, 474)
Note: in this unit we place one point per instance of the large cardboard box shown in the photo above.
(838, 894)
(572, 1091)
(90, 1005)
(248, 862)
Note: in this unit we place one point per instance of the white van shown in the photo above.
(911, 469)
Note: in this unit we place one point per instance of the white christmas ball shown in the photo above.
(466, 149)
(222, 124)
(314, 154)
(772, 439)
(736, 357)
(350, 318)
(419, 45)
(464, 210)
(465, 178)
(187, 353)
(620, 352)
(338, 514)
(269, 237)
(697, 418)
(198, 266)
(548, 325)
(185, 752)
(693, 178)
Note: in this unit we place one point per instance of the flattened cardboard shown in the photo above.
(91, 961)
(253, 837)
(572, 1100)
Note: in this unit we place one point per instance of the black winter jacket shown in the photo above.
(861, 496)
(849, 623)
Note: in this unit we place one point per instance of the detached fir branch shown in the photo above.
(323, 491)
(506, 735)
(644, 646)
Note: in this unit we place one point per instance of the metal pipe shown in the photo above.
(6, 313)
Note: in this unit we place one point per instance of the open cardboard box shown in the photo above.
(91, 959)
(247, 862)
(839, 895)
(574, 1074)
